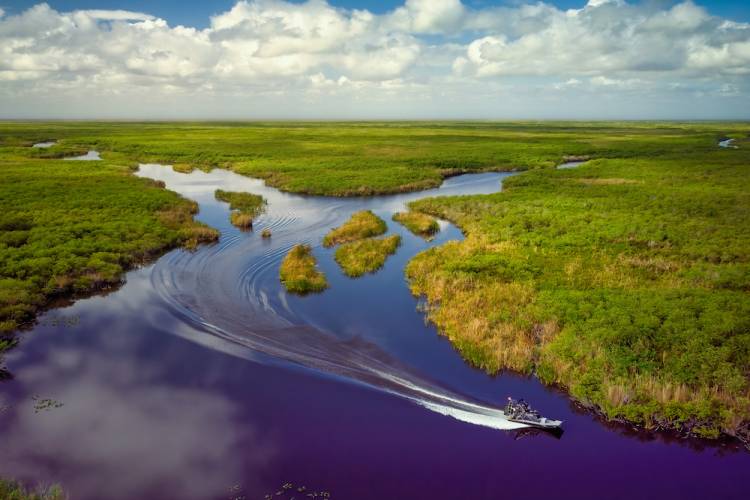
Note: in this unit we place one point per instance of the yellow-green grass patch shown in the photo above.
(364, 224)
(299, 273)
(245, 206)
(418, 223)
(366, 256)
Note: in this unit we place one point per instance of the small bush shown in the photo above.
(15, 222)
(14, 239)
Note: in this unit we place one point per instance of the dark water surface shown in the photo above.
(200, 378)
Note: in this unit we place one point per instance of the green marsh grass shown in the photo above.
(245, 206)
(13, 490)
(366, 256)
(299, 272)
(625, 281)
(418, 223)
(182, 168)
(78, 226)
(360, 225)
(355, 159)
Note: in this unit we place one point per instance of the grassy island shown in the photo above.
(418, 223)
(364, 224)
(299, 272)
(366, 256)
(245, 206)
(624, 281)
(182, 168)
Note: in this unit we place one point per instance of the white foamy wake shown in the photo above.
(457, 408)
(353, 360)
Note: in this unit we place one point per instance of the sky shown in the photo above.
(389, 59)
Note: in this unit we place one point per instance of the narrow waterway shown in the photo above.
(89, 156)
(201, 378)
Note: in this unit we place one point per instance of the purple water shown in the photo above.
(200, 378)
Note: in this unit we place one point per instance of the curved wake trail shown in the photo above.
(354, 359)
(231, 291)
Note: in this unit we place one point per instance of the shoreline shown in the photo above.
(105, 288)
(691, 428)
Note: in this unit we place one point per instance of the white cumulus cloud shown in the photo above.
(427, 49)
(684, 39)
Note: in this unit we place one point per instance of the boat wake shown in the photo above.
(231, 291)
(355, 359)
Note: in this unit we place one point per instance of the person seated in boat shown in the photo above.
(514, 408)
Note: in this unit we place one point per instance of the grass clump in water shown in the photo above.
(183, 168)
(13, 490)
(241, 220)
(245, 206)
(299, 273)
(366, 256)
(418, 223)
(361, 225)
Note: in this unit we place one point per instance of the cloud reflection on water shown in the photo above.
(126, 431)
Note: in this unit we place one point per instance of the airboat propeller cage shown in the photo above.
(520, 411)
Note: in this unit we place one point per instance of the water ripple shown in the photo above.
(231, 290)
